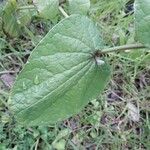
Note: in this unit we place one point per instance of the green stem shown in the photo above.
(63, 12)
(122, 48)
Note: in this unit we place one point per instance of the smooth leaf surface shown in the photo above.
(79, 6)
(142, 21)
(48, 9)
(60, 77)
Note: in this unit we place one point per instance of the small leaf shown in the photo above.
(13, 18)
(48, 9)
(61, 75)
(24, 15)
(9, 21)
(79, 6)
(142, 21)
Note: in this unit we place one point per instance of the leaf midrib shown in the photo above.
(53, 90)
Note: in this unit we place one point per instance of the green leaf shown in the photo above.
(24, 16)
(9, 21)
(79, 6)
(48, 9)
(61, 76)
(142, 21)
(13, 18)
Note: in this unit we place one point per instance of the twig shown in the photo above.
(7, 71)
(63, 12)
(122, 48)
(36, 145)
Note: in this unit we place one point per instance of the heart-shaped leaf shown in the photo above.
(79, 6)
(61, 75)
(142, 21)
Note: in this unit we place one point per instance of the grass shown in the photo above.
(107, 123)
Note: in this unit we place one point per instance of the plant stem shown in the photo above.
(122, 48)
(63, 12)
(7, 71)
